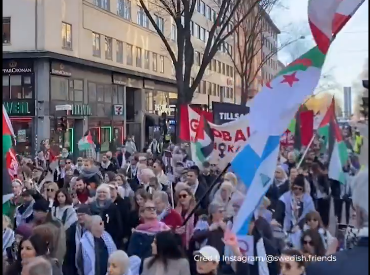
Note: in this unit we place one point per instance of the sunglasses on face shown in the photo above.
(150, 208)
(296, 188)
(50, 190)
(68, 162)
(308, 243)
(184, 196)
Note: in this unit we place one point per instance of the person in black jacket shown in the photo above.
(198, 188)
(322, 192)
(108, 211)
(124, 208)
(106, 165)
(73, 236)
(206, 174)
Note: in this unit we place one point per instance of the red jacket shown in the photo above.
(173, 219)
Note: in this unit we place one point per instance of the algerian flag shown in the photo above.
(281, 98)
(204, 140)
(327, 18)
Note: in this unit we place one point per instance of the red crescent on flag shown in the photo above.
(243, 246)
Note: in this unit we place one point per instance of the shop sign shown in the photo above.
(20, 108)
(60, 69)
(17, 67)
(81, 110)
(119, 79)
(118, 109)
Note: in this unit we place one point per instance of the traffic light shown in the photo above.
(62, 124)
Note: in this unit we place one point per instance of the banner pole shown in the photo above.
(305, 152)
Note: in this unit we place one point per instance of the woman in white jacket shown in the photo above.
(223, 198)
(63, 208)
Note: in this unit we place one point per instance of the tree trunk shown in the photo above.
(244, 92)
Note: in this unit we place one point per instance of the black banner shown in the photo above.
(226, 112)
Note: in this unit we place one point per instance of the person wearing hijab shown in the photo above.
(120, 264)
(109, 212)
(223, 198)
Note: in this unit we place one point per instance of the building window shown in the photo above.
(124, 9)
(17, 87)
(108, 48)
(197, 58)
(6, 30)
(155, 62)
(223, 69)
(103, 4)
(147, 60)
(196, 30)
(160, 22)
(76, 91)
(142, 19)
(138, 57)
(59, 88)
(161, 60)
(202, 7)
(202, 34)
(173, 32)
(66, 35)
(219, 67)
(96, 44)
(119, 52)
(208, 12)
(130, 54)
(204, 88)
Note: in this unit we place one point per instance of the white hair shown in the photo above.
(360, 191)
(162, 195)
(228, 186)
(103, 187)
(148, 172)
(92, 220)
(120, 257)
(231, 177)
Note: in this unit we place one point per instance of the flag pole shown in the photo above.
(215, 181)
(306, 151)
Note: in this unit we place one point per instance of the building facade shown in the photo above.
(104, 59)
(269, 49)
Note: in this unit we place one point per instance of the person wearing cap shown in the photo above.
(11, 205)
(293, 206)
(73, 237)
(207, 259)
(41, 210)
(352, 261)
(124, 208)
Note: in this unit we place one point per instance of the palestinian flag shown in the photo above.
(86, 142)
(327, 18)
(10, 163)
(204, 140)
(8, 133)
(338, 154)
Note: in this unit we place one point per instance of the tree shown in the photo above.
(249, 38)
(181, 12)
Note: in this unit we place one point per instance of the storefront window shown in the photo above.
(105, 136)
(23, 131)
(59, 88)
(17, 86)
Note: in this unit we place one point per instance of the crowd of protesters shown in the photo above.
(148, 213)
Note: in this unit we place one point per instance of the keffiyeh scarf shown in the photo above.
(88, 250)
(164, 213)
(8, 239)
(21, 218)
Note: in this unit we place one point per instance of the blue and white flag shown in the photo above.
(255, 165)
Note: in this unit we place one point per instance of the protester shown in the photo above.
(168, 257)
(197, 189)
(292, 262)
(109, 212)
(358, 256)
(279, 186)
(11, 205)
(8, 234)
(96, 247)
(165, 212)
(62, 208)
(312, 244)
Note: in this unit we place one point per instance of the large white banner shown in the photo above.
(229, 139)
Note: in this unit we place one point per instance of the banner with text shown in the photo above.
(226, 112)
(229, 138)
